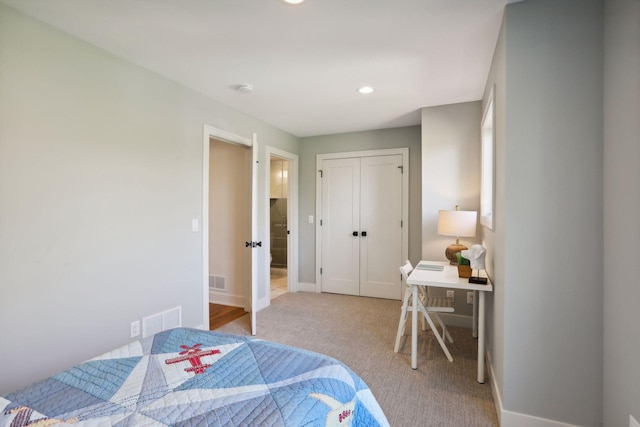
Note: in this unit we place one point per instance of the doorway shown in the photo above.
(248, 295)
(229, 223)
(281, 211)
(278, 226)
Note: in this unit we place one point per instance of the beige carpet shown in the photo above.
(361, 333)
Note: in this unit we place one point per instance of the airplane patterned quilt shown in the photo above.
(190, 377)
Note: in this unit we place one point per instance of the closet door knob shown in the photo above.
(355, 233)
(364, 234)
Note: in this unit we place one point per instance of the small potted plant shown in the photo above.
(464, 266)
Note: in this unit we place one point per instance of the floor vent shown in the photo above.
(217, 283)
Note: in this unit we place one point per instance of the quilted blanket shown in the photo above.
(189, 377)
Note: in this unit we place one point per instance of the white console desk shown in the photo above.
(448, 278)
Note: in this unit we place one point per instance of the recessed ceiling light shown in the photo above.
(293, 1)
(365, 89)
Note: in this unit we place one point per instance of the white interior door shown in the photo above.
(381, 226)
(340, 226)
(254, 232)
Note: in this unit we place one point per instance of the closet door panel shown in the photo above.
(381, 220)
(340, 219)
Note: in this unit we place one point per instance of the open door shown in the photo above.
(254, 232)
(250, 289)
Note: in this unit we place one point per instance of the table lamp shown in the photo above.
(459, 224)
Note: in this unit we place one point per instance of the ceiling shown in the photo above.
(304, 61)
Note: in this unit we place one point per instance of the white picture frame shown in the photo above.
(487, 185)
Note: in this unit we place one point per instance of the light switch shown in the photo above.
(195, 225)
(310, 219)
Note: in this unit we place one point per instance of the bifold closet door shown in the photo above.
(361, 226)
(340, 220)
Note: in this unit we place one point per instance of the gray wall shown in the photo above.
(547, 244)
(622, 204)
(494, 240)
(100, 176)
(451, 158)
(355, 141)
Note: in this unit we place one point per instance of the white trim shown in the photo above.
(292, 218)
(495, 393)
(226, 136)
(226, 299)
(404, 152)
(488, 159)
(306, 287)
(457, 320)
(514, 419)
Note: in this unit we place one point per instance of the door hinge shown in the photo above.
(320, 173)
(320, 223)
(401, 223)
(401, 169)
(320, 270)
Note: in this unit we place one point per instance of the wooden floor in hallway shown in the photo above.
(222, 314)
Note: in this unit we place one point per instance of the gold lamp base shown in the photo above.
(452, 252)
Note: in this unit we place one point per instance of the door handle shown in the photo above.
(355, 233)
(364, 234)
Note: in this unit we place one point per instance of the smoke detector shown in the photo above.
(246, 88)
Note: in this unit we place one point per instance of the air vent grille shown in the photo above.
(217, 283)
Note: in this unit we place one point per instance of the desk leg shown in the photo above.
(474, 332)
(414, 327)
(481, 324)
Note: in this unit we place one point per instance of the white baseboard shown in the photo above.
(262, 303)
(452, 319)
(306, 287)
(226, 299)
(515, 419)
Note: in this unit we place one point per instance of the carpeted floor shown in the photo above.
(361, 332)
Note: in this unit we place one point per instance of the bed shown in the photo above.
(190, 377)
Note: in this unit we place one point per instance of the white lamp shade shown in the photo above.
(457, 223)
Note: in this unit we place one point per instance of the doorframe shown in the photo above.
(404, 152)
(232, 138)
(292, 218)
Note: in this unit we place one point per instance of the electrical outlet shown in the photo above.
(451, 293)
(470, 297)
(135, 328)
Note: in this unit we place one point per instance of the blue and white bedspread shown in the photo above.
(189, 377)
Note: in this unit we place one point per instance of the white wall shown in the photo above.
(354, 141)
(622, 204)
(100, 177)
(450, 176)
(548, 235)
